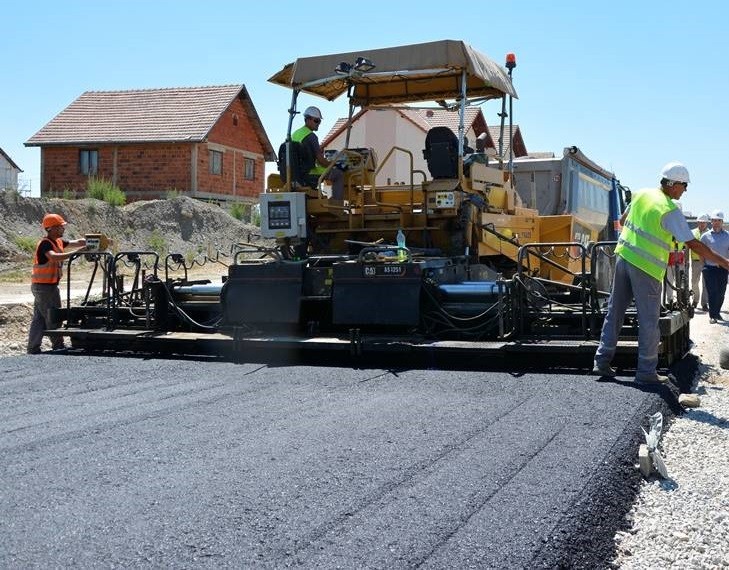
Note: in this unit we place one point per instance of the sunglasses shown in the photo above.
(317, 121)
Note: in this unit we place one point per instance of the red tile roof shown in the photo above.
(495, 131)
(450, 119)
(185, 114)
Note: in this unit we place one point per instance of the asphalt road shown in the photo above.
(177, 463)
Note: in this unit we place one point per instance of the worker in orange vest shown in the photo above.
(50, 253)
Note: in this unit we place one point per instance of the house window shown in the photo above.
(216, 162)
(249, 169)
(88, 162)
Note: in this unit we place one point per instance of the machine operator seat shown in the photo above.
(441, 152)
(301, 164)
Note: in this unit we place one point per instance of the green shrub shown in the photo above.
(172, 193)
(157, 242)
(103, 189)
(190, 256)
(26, 243)
(239, 211)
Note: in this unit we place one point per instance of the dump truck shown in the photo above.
(454, 265)
(573, 191)
(572, 185)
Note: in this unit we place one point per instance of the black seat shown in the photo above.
(441, 152)
(301, 164)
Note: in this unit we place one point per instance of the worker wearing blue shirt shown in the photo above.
(715, 276)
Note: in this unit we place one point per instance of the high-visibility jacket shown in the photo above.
(643, 242)
(298, 136)
(697, 234)
(49, 273)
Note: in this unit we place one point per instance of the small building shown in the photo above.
(204, 142)
(382, 128)
(8, 172)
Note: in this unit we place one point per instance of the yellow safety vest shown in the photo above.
(643, 242)
(697, 234)
(298, 136)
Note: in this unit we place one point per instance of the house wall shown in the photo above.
(142, 171)
(236, 142)
(383, 129)
(8, 175)
(151, 170)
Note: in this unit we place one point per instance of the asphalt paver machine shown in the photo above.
(450, 264)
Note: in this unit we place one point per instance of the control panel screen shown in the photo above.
(279, 215)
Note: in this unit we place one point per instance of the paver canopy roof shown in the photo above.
(404, 74)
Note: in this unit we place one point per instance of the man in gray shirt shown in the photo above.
(714, 275)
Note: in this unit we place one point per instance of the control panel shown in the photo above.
(353, 158)
(440, 200)
(283, 214)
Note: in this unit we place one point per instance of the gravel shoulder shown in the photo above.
(683, 522)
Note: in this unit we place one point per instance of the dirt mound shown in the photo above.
(177, 225)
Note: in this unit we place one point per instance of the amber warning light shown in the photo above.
(510, 61)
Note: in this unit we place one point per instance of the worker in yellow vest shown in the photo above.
(318, 163)
(642, 253)
(50, 253)
(697, 264)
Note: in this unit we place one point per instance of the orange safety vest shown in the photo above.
(50, 272)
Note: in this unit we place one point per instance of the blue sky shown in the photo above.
(633, 84)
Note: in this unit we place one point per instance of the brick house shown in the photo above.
(204, 142)
(382, 128)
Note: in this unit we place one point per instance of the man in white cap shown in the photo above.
(714, 274)
(642, 256)
(317, 162)
(697, 264)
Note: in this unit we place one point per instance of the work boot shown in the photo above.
(34, 350)
(604, 370)
(656, 379)
(712, 321)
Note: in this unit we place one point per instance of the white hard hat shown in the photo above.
(703, 218)
(675, 171)
(313, 112)
(717, 215)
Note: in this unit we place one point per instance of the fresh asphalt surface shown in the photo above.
(109, 461)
